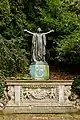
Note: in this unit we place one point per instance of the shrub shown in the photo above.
(13, 58)
(69, 49)
(1, 84)
(76, 85)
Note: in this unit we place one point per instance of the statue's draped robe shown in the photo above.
(38, 47)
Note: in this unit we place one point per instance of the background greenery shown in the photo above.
(63, 45)
(76, 86)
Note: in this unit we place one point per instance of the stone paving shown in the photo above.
(40, 117)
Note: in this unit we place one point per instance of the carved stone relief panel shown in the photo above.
(8, 96)
(67, 94)
(4, 99)
(38, 94)
(11, 95)
(41, 95)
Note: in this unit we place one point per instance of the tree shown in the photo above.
(13, 59)
(61, 15)
(69, 48)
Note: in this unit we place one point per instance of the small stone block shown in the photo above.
(39, 72)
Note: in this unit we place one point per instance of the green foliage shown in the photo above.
(15, 15)
(13, 59)
(60, 18)
(5, 18)
(69, 49)
(1, 84)
(73, 5)
(76, 85)
(66, 24)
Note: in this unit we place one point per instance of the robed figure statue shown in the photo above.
(38, 45)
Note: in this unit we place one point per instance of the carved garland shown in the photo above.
(38, 93)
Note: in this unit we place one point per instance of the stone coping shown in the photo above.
(28, 80)
(40, 109)
(38, 82)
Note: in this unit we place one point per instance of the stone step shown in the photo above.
(40, 117)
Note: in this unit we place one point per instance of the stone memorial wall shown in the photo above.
(28, 96)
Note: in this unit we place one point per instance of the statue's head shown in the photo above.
(39, 30)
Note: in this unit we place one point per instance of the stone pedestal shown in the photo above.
(39, 71)
(35, 96)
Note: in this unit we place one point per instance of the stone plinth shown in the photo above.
(39, 96)
(39, 71)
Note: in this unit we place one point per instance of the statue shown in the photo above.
(38, 45)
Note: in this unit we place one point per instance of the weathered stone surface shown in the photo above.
(39, 97)
(40, 117)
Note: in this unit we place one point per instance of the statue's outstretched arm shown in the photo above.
(25, 30)
(49, 32)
